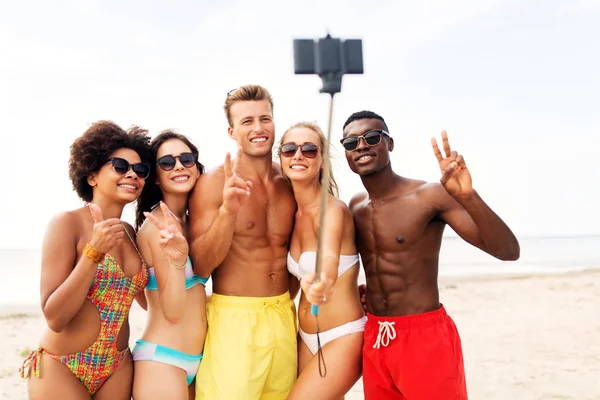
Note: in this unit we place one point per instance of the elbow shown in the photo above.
(55, 324)
(511, 254)
(174, 316)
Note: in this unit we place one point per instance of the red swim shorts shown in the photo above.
(413, 357)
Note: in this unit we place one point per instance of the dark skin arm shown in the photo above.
(461, 207)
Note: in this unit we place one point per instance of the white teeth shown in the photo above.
(258, 140)
(180, 178)
(128, 187)
(298, 167)
(363, 158)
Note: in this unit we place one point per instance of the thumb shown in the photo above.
(96, 213)
(448, 172)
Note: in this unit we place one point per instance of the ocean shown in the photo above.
(20, 269)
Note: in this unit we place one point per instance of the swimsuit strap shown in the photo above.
(170, 212)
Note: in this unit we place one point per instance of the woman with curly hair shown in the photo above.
(91, 272)
(168, 354)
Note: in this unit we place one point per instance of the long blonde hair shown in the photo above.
(333, 186)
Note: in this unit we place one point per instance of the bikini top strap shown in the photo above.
(133, 243)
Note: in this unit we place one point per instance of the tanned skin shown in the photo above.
(400, 221)
(242, 213)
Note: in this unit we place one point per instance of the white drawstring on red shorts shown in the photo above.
(386, 333)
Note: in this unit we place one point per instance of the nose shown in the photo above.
(298, 154)
(362, 143)
(178, 165)
(130, 174)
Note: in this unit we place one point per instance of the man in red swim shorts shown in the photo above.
(412, 349)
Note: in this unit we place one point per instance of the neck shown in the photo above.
(256, 168)
(110, 209)
(177, 203)
(307, 194)
(379, 184)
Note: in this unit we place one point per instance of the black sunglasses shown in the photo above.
(168, 162)
(122, 166)
(308, 150)
(371, 138)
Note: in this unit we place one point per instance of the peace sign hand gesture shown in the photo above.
(172, 241)
(236, 190)
(455, 174)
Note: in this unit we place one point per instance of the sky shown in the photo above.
(515, 84)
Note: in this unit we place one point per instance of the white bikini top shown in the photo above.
(308, 261)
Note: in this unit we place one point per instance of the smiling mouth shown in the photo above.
(260, 139)
(365, 158)
(298, 167)
(128, 187)
(180, 178)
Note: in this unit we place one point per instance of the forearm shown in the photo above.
(173, 295)
(210, 249)
(498, 240)
(66, 301)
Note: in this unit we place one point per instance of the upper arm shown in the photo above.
(59, 254)
(204, 202)
(333, 231)
(451, 212)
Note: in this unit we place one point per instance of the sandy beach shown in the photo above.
(524, 337)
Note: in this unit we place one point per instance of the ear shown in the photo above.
(230, 132)
(390, 144)
(91, 180)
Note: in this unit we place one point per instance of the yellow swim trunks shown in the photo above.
(250, 350)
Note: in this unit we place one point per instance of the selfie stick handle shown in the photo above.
(314, 309)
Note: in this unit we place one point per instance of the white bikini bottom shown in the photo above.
(350, 327)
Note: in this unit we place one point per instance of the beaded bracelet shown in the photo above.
(90, 252)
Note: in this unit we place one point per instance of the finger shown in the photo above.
(448, 172)
(453, 155)
(460, 161)
(155, 221)
(236, 192)
(96, 213)
(168, 217)
(113, 230)
(239, 182)
(436, 150)
(162, 242)
(446, 143)
(238, 158)
(111, 222)
(227, 165)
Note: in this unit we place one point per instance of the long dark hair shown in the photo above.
(151, 194)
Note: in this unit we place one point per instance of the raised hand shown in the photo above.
(106, 234)
(236, 190)
(456, 177)
(317, 293)
(172, 241)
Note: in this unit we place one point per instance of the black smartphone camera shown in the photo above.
(329, 58)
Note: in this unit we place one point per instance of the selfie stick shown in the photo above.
(330, 59)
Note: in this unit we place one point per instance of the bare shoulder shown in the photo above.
(66, 221)
(279, 179)
(129, 228)
(358, 201)
(338, 205)
(208, 188)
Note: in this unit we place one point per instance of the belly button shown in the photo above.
(400, 239)
(250, 225)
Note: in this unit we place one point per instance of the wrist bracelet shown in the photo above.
(176, 266)
(90, 252)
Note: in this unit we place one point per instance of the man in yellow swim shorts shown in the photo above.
(241, 219)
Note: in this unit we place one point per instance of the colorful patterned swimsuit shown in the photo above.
(112, 293)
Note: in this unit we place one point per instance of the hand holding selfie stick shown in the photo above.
(330, 59)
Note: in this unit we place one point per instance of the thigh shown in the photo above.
(304, 355)
(343, 360)
(436, 365)
(118, 386)
(377, 382)
(156, 381)
(56, 381)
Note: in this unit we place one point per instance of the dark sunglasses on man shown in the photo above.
(122, 166)
(168, 162)
(371, 138)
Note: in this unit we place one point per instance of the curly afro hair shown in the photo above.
(90, 151)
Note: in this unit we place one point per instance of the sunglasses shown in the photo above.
(122, 166)
(168, 162)
(308, 150)
(371, 138)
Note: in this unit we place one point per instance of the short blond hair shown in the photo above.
(246, 93)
